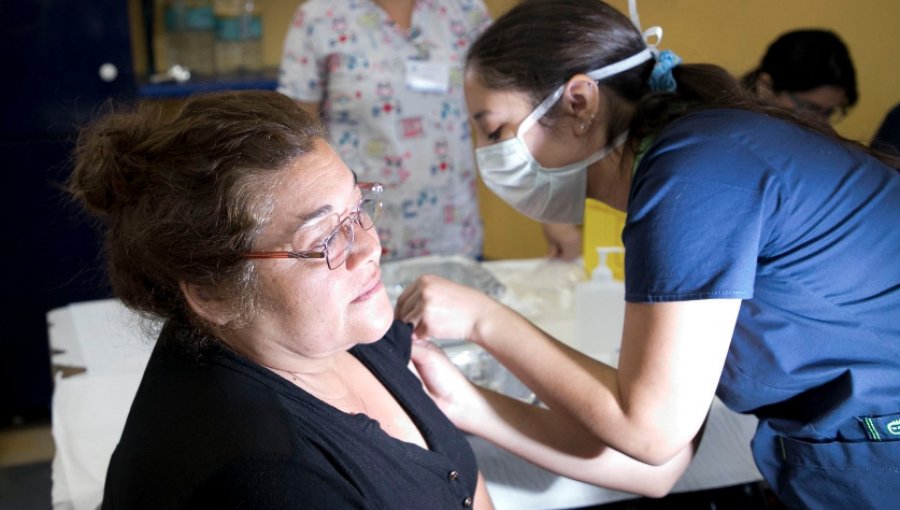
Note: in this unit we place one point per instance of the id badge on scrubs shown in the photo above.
(427, 76)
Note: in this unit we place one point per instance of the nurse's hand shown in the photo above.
(444, 382)
(563, 240)
(440, 308)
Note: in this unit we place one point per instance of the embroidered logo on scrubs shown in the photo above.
(893, 427)
(882, 428)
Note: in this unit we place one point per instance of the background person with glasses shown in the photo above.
(808, 71)
(279, 379)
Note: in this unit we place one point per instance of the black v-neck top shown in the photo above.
(218, 431)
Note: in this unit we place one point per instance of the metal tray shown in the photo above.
(397, 275)
(484, 370)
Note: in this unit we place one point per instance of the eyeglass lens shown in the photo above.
(370, 205)
(340, 242)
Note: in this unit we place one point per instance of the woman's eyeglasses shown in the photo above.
(336, 246)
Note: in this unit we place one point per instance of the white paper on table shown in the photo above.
(112, 338)
(539, 289)
(89, 413)
(65, 349)
(59, 487)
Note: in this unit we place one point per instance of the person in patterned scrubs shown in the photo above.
(386, 79)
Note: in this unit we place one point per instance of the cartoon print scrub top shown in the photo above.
(393, 104)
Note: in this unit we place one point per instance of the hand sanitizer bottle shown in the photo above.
(600, 311)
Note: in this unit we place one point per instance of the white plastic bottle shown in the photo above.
(600, 311)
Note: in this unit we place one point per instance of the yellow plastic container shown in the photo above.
(602, 227)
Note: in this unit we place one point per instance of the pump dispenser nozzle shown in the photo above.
(602, 271)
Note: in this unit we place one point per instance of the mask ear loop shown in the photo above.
(539, 112)
(652, 36)
(596, 75)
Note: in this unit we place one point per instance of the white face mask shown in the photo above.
(553, 195)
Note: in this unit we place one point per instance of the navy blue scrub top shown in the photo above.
(806, 231)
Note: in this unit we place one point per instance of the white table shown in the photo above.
(89, 409)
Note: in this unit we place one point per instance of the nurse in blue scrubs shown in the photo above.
(761, 264)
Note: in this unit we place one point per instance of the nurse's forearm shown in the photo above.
(653, 405)
(560, 444)
(585, 389)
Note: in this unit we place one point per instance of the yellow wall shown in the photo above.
(731, 33)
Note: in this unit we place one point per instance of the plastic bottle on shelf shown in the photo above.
(190, 37)
(238, 45)
(600, 311)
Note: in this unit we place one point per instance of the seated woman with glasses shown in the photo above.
(808, 71)
(279, 379)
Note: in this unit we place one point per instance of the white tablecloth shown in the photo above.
(89, 409)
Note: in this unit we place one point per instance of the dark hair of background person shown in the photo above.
(803, 60)
(539, 44)
(181, 197)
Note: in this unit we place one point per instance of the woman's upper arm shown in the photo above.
(482, 497)
(670, 363)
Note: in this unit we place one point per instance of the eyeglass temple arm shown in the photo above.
(284, 255)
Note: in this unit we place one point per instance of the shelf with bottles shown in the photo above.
(265, 79)
(203, 45)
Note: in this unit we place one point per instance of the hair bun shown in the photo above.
(109, 161)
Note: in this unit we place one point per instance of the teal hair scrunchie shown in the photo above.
(661, 79)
